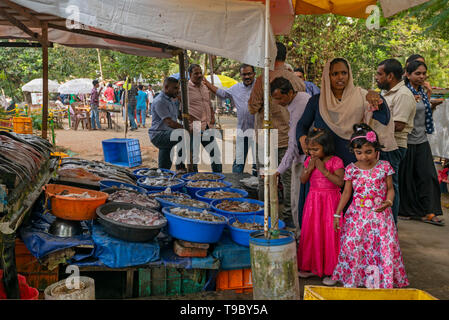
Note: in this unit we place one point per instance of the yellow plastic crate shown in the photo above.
(333, 293)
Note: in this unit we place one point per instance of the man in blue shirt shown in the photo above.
(142, 105)
(239, 95)
(164, 120)
(311, 88)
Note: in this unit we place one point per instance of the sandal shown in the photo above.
(433, 219)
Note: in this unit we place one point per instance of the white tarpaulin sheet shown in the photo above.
(228, 28)
(439, 140)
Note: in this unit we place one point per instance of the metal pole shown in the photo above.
(266, 122)
(44, 79)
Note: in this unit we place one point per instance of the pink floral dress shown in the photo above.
(369, 247)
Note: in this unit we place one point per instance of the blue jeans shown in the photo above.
(94, 116)
(131, 111)
(395, 157)
(238, 168)
(143, 115)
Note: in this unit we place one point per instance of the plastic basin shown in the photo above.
(194, 230)
(165, 202)
(104, 184)
(234, 214)
(176, 187)
(192, 190)
(200, 194)
(26, 292)
(73, 208)
(188, 176)
(169, 173)
(124, 231)
(242, 236)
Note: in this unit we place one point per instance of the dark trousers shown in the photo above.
(162, 141)
(241, 159)
(395, 158)
(418, 183)
(216, 167)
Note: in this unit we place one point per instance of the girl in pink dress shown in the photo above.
(319, 243)
(369, 248)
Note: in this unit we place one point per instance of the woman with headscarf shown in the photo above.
(418, 179)
(337, 108)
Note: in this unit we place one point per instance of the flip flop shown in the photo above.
(430, 219)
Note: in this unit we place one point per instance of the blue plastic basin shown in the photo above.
(176, 187)
(192, 190)
(194, 230)
(237, 215)
(187, 176)
(104, 184)
(138, 176)
(242, 236)
(200, 194)
(165, 202)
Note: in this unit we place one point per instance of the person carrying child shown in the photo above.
(370, 255)
(319, 243)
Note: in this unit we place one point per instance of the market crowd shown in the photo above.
(351, 161)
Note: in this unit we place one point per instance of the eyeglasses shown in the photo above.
(247, 74)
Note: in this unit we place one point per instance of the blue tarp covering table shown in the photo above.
(232, 256)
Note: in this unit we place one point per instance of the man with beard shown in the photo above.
(239, 95)
(402, 105)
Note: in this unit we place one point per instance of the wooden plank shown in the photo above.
(22, 11)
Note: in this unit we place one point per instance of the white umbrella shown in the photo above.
(36, 85)
(76, 86)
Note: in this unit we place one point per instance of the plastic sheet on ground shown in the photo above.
(232, 255)
(116, 253)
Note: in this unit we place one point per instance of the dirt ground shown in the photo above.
(425, 247)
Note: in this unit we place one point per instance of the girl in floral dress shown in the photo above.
(369, 248)
(319, 243)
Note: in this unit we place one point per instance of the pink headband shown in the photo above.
(370, 137)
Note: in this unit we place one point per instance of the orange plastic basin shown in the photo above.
(70, 208)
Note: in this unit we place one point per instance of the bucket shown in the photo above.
(274, 266)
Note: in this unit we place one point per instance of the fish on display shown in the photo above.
(238, 206)
(247, 225)
(133, 197)
(205, 184)
(186, 202)
(204, 176)
(156, 172)
(197, 215)
(137, 217)
(220, 194)
(159, 182)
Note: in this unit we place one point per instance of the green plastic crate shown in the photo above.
(163, 281)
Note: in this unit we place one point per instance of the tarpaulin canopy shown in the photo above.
(76, 86)
(232, 28)
(35, 85)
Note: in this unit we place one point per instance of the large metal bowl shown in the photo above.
(123, 231)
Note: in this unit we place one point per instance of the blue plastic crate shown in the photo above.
(122, 152)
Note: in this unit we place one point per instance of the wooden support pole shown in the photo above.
(185, 101)
(44, 79)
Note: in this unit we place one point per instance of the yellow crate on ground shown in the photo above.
(22, 125)
(335, 293)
